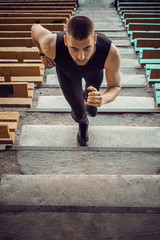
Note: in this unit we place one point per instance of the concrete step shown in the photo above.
(88, 193)
(88, 162)
(127, 80)
(79, 225)
(114, 137)
(58, 103)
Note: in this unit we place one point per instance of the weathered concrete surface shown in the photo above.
(101, 136)
(78, 226)
(80, 191)
(126, 80)
(80, 162)
(121, 102)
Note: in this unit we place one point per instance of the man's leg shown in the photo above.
(73, 92)
(93, 79)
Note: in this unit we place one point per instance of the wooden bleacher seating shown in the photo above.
(19, 55)
(157, 94)
(19, 72)
(153, 73)
(149, 56)
(141, 20)
(66, 14)
(27, 27)
(8, 126)
(31, 20)
(143, 27)
(16, 94)
(141, 43)
(141, 15)
(144, 34)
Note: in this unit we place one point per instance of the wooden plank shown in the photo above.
(34, 11)
(36, 80)
(27, 15)
(155, 43)
(11, 125)
(155, 74)
(29, 20)
(32, 4)
(143, 27)
(27, 27)
(4, 131)
(9, 116)
(145, 34)
(20, 56)
(141, 15)
(8, 140)
(137, 11)
(139, 4)
(141, 20)
(151, 54)
(16, 42)
(21, 69)
(10, 1)
(16, 89)
(28, 8)
(17, 34)
(15, 102)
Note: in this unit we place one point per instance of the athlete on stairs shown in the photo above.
(80, 53)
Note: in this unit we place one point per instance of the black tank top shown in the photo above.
(65, 62)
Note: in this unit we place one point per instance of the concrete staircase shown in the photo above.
(108, 190)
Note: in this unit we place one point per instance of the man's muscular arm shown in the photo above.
(45, 42)
(113, 75)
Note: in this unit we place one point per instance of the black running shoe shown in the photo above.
(82, 135)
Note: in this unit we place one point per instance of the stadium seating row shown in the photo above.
(142, 21)
(20, 67)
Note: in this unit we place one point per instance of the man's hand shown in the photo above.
(95, 97)
(49, 63)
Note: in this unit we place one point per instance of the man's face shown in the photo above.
(81, 50)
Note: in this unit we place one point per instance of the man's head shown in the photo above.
(80, 39)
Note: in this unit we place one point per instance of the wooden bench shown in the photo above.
(16, 42)
(19, 72)
(144, 34)
(141, 20)
(143, 27)
(18, 90)
(137, 9)
(16, 94)
(37, 8)
(141, 15)
(149, 56)
(8, 127)
(65, 14)
(157, 93)
(30, 4)
(153, 73)
(31, 20)
(27, 27)
(141, 43)
(19, 55)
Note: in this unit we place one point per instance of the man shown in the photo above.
(80, 53)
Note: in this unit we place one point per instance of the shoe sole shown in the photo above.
(81, 142)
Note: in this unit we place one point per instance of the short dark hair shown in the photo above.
(80, 27)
